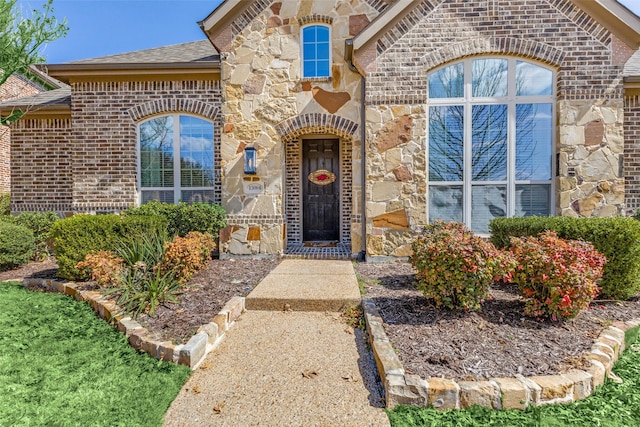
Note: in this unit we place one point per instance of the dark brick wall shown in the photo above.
(632, 153)
(14, 87)
(104, 118)
(553, 31)
(41, 165)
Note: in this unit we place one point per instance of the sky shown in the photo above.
(106, 27)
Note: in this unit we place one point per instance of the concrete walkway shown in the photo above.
(280, 367)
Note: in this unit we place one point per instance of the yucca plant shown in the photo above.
(145, 290)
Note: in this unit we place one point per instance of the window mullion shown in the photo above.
(468, 144)
(176, 159)
(511, 137)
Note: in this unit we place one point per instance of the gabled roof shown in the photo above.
(198, 57)
(197, 51)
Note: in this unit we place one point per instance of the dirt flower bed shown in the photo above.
(498, 341)
(203, 297)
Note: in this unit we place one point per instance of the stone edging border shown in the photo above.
(498, 393)
(190, 354)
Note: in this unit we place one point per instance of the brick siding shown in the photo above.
(41, 165)
(14, 87)
(105, 115)
(632, 153)
(554, 31)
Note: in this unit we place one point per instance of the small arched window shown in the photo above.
(316, 51)
(490, 136)
(176, 159)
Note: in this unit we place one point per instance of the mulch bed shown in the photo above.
(496, 342)
(203, 297)
(499, 341)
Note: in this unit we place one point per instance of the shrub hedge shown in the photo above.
(618, 239)
(16, 245)
(5, 203)
(40, 224)
(75, 237)
(184, 218)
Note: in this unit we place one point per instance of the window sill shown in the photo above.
(316, 79)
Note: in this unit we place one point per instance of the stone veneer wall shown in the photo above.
(589, 135)
(14, 87)
(632, 153)
(269, 106)
(41, 165)
(104, 116)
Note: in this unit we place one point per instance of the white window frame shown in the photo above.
(511, 100)
(177, 188)
(315, 24)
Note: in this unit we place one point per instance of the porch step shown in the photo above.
(306, 285)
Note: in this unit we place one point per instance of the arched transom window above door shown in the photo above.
(176, 159)
(490, 140)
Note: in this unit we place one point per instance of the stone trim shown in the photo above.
(191, 354)
(497, 393)
(582, 20)
(405, 24)
(525, 48)
(181, 105)
(315, 19)
(304, 124)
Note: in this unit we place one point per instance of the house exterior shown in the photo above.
(16, 86)
(350, 123)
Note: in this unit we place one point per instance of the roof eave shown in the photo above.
(40, 111)
(68, 72)
(616, 18)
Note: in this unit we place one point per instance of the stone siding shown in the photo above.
(14, 87)
(589, 137)
(41, 168)
(104, 116)
(268, 105)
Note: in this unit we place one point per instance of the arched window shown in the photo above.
(316, 51)
(176, 159)
(490, 136)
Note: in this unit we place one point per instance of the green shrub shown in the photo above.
(184, 218)
(5, 204)
(455, 267)
(40, 224)
(16, 245)
(75, 237)
(618, 239)
(557, 277)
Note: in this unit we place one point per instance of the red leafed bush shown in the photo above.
(184, 256)
(455, 267)
(557, 277)
(103, 267)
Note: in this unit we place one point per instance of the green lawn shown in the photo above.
(612, 405)
(60, 365)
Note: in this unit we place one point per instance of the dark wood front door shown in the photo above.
(320, 194)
